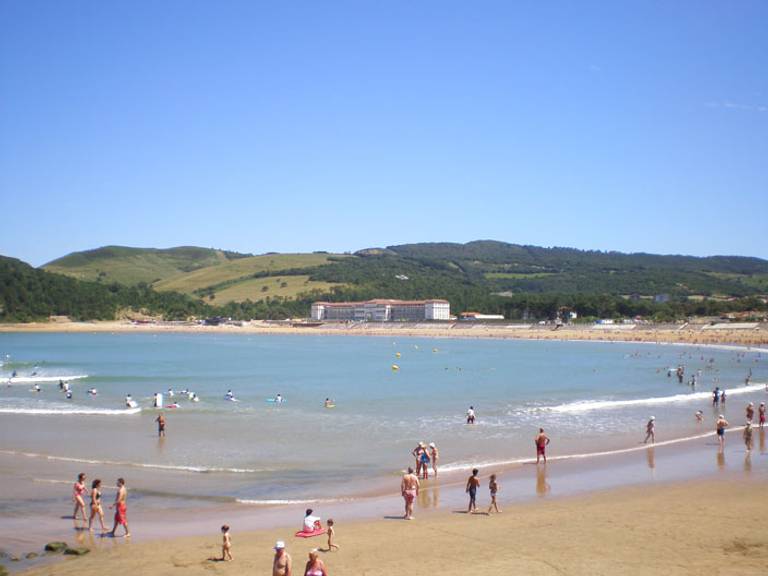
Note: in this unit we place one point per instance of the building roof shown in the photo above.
(384, 301)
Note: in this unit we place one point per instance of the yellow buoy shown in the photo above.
(397, 354)
(395, 367)
(434, 349)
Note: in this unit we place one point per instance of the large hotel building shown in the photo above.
(382, 310)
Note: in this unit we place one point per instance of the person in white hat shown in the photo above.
(281, 565)
(650, 431)
(748, 435)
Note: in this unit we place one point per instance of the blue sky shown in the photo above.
(298, 126)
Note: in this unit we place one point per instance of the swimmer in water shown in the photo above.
(279, 399)
(471, 415)
(328, 403)
(69, 394)
(699, 416)
(36, 388)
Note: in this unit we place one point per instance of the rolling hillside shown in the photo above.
(126, 265)
(482, 274)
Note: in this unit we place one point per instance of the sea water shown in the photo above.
(590, 397)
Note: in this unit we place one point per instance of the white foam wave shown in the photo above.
(587, 405)
(75, 411)
(461, 466)
(167, 467)
(279, 502)
(43, 379)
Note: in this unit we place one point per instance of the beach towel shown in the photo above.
(315, 532)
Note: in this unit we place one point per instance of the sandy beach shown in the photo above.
(704, 527)
(737, 334)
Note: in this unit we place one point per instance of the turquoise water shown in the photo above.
(589, 396)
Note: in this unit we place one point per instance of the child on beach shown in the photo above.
(331, 532)
(226, 544)
(493, 486)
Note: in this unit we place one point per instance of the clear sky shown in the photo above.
(339, 125)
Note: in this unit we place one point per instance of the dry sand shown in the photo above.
(691, 334)
(708, 527)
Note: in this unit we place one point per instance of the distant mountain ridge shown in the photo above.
(433, 269)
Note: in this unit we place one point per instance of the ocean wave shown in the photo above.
(167, 467)
(462, 466)
(280, 502)
(74, 411)
(587, 405)
(43, 379)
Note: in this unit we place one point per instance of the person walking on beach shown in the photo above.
(281, 564)
(121, 508)
(541, 441)
(493, 486)
(96, 509)
(331, 533)
(716, 396)
(160, 426)
(473, 483)
(750, 411)
(761, 414)
(409, 488)
(435, 455)
(650, 431)
(748, 435)
(315, 566)
(720, 426)
(471, 415)
(226, 544)
(78, 490)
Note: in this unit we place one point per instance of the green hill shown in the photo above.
(496, 277)
(133, 265)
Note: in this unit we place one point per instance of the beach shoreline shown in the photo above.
(699, 334)
(693, 527)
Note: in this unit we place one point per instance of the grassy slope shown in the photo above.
(253, 289)
(240, 268)
(132, 265)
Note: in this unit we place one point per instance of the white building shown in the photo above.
(381, 310)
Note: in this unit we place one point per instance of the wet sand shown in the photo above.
(667, 333)
(704, 527)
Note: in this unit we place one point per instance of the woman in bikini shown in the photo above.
(96, 509)
(78, 490)
(315, 566)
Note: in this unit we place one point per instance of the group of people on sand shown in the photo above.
(282, 564)
(410, 484)
(426, 456)
(96, 509)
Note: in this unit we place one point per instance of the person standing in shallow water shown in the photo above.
(541, 441)
(650, 431)
(720, 427)
(473, 483)
(160, 425)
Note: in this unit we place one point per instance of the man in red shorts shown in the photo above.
(121, 508)
(541, 446)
